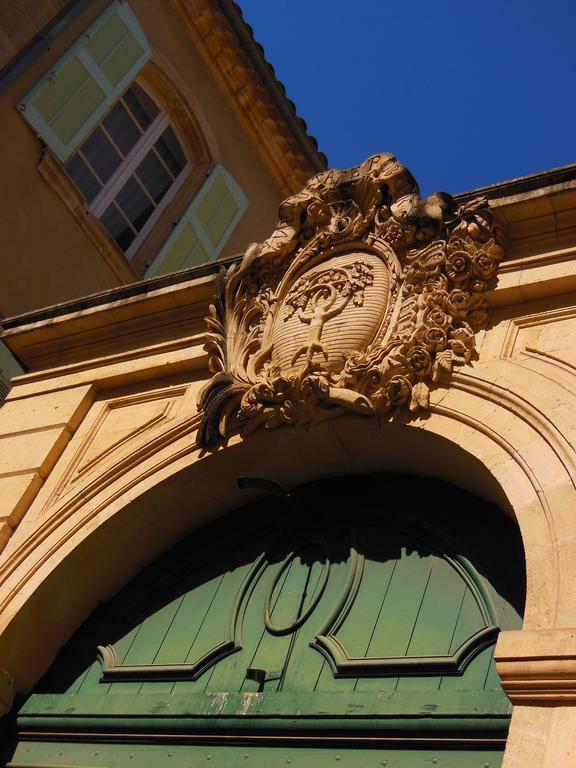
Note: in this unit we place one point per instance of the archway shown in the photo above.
(98, 536)
(359, 613)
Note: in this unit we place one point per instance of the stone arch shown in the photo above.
(184, 108)
(479, 436)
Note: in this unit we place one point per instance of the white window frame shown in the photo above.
(128, 167)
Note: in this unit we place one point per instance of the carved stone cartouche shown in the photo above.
(362, 298)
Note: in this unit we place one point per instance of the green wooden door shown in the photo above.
(272, 638)
(46, 755)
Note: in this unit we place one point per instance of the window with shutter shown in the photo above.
(123, 154)
(66, 104)
(205, 227)
(129, 167)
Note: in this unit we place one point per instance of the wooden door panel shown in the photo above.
(74, 755)
(367, 626)
(369, 608)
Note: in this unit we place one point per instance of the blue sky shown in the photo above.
(464, 93)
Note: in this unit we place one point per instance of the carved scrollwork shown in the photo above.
(362, 299)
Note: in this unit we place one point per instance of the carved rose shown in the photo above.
(465, 333)
(420, 361)
(484, 265)
(397, 390)
(458, 266)
(459, 349)
(436, 298)
(462, 343)
(438, 318)
(434, 338)
(458, 302)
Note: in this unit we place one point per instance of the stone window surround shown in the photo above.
(195, 146)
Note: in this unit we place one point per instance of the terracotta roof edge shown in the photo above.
(255, 52)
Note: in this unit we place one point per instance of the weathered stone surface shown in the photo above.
(363, 298)
(501, 425)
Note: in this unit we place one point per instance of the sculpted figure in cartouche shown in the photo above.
(363, 297)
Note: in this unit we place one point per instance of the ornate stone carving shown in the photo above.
(363, 297)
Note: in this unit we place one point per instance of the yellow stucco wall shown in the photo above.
(41, 234)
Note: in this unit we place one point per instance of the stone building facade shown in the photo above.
(309, 504)
(414, 347)
(150, 137)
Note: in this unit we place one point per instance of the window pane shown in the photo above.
(101, 154)
(117, 227)
(153, 175)
(83, 177)
(122, 128)
(141, 105)
(135, 203)
(170, 151)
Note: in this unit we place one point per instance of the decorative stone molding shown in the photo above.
(120, 430)
(363, 297)
(538, 667)
(223, 40)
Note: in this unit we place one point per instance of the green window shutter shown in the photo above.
(8, 369)
(66, 104)
(205, 227)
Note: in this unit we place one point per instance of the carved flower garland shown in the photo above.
(442, 297)
(447, 257)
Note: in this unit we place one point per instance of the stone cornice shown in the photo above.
(118, 320)
(562, 177)
(520, 279)
(237, 64)
(538, 667)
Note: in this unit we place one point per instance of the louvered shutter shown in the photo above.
(205, 227)
(69, 101)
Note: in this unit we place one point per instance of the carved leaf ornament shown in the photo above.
(361, 300)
